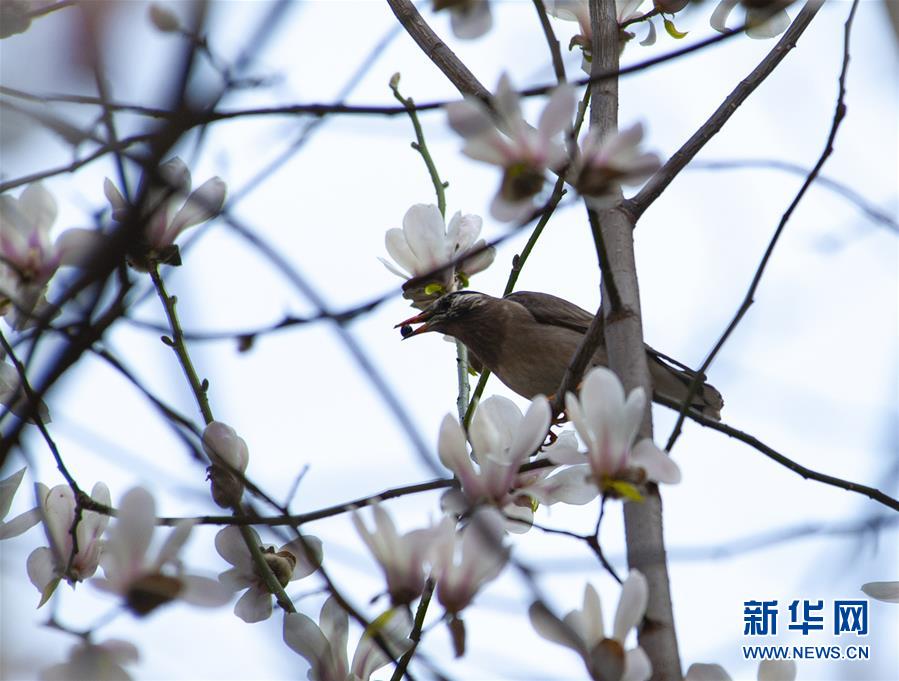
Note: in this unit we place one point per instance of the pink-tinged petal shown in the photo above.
(462, 231)
(552, 629)
(700, 671)
(519, 519)
(777, 670)
(304, 637)
(202, 205)
(491, 147)
(222, 441)
(176, 175)
(481, 261)
(236, 579)
(637, 666)
(602, 399)
(718, 20)
(398, 249)
(532, 430)
(41, 568)
(173, 543)
(78, 247)
(308, 552)
(59, 514)
(566, 10)
(9, 486)
(507, 211)
(470, 21)
(369, 657)
(494, 427)
(631, 605)
(762, 24)
(334, 625)
(203, 592)
(230, 545)
(39, 206)
(507, 104)
(564, 449)
(254, 606)
(625, 9)
(556, 117)
(659, 466)
(454, 454)
(20, 524)
(594, 630)
(425, 233)
(116, 200)
(469, 118)
(136, 522)
(882, 591)
(573, 485)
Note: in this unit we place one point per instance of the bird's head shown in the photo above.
(446, 314)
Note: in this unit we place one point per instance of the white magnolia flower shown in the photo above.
(882, 591)
(425, 243)
(324, 645)
(469, 19)
(48, 565)
(608, 425)
(12, 393)
(226, 450)
(523, 152)
(94, 662)
(400, 556)
(583, 631)
(170, 208)
(464, 561)
(29, 257)
(289, 563)
(22, 522)
(617, 159)
(502, 440)
(769, 670)
(764, 19)
(143, 583)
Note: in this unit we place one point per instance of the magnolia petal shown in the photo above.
(650, 38)
(203, 592)
(508, 211)
(173, 543)
(637, 666)
(308, 552)
(20, 524)
(136, 522)
(556, 116)
(254, 606)
(304, 637)
(882, 591)
(236, 579)
(425, 233)
(573, 485)
(462, 231)
(77, 247)
(39, 207)
(202, 205)
(593, 630)
(718, 20)
(393, 268)
(41, 568)
(222, 441)
(552, 628)
(532, 429)
(453, 453)
(469, 118)
(231, 546)
(398, 249)
(631, 605)
(334, 625)
(506, 101)
(471, 20)
(490, 147)
(116, 200)
(659, 466)
(760, 23)
(701, 671)
(176, 175)
(494, 427)
(777, 670)
(481, 261)
(519, 519)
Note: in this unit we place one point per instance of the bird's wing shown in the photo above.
(549, 309)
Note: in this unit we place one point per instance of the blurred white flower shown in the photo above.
(400, 556)
(502, 440)
(146, 584)
(617, 159)
(12, 394)
(324, 645)
(764, 18)
(289, 563)
(94, 662)
(523, 152)
(169, 208)
(29, 257)
(22, 522)
(226, 450)
(48, 565)
(608, 425)
(469, 19)
(583, 631)
(425, 243)
(882, 591)
(464, 561)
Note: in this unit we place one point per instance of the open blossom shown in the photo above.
(425, 243)
(882, 591)
(47, 565)
(502, 440)
(29, 257)
(324, 645)
(469, 19)
(169, 208)
(605, 163)
(289, 563)
(764, 18)
(226, 450)
(146, 583)
(523, 152)
(400, 556)
(608, 425)
(94, 662)
(22, 522)
(583, 631)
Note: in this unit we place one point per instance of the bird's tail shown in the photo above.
(672, 380)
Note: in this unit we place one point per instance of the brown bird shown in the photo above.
(528, 338)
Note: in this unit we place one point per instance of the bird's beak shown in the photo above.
(405, 326)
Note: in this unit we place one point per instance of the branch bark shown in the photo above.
(624, 341)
